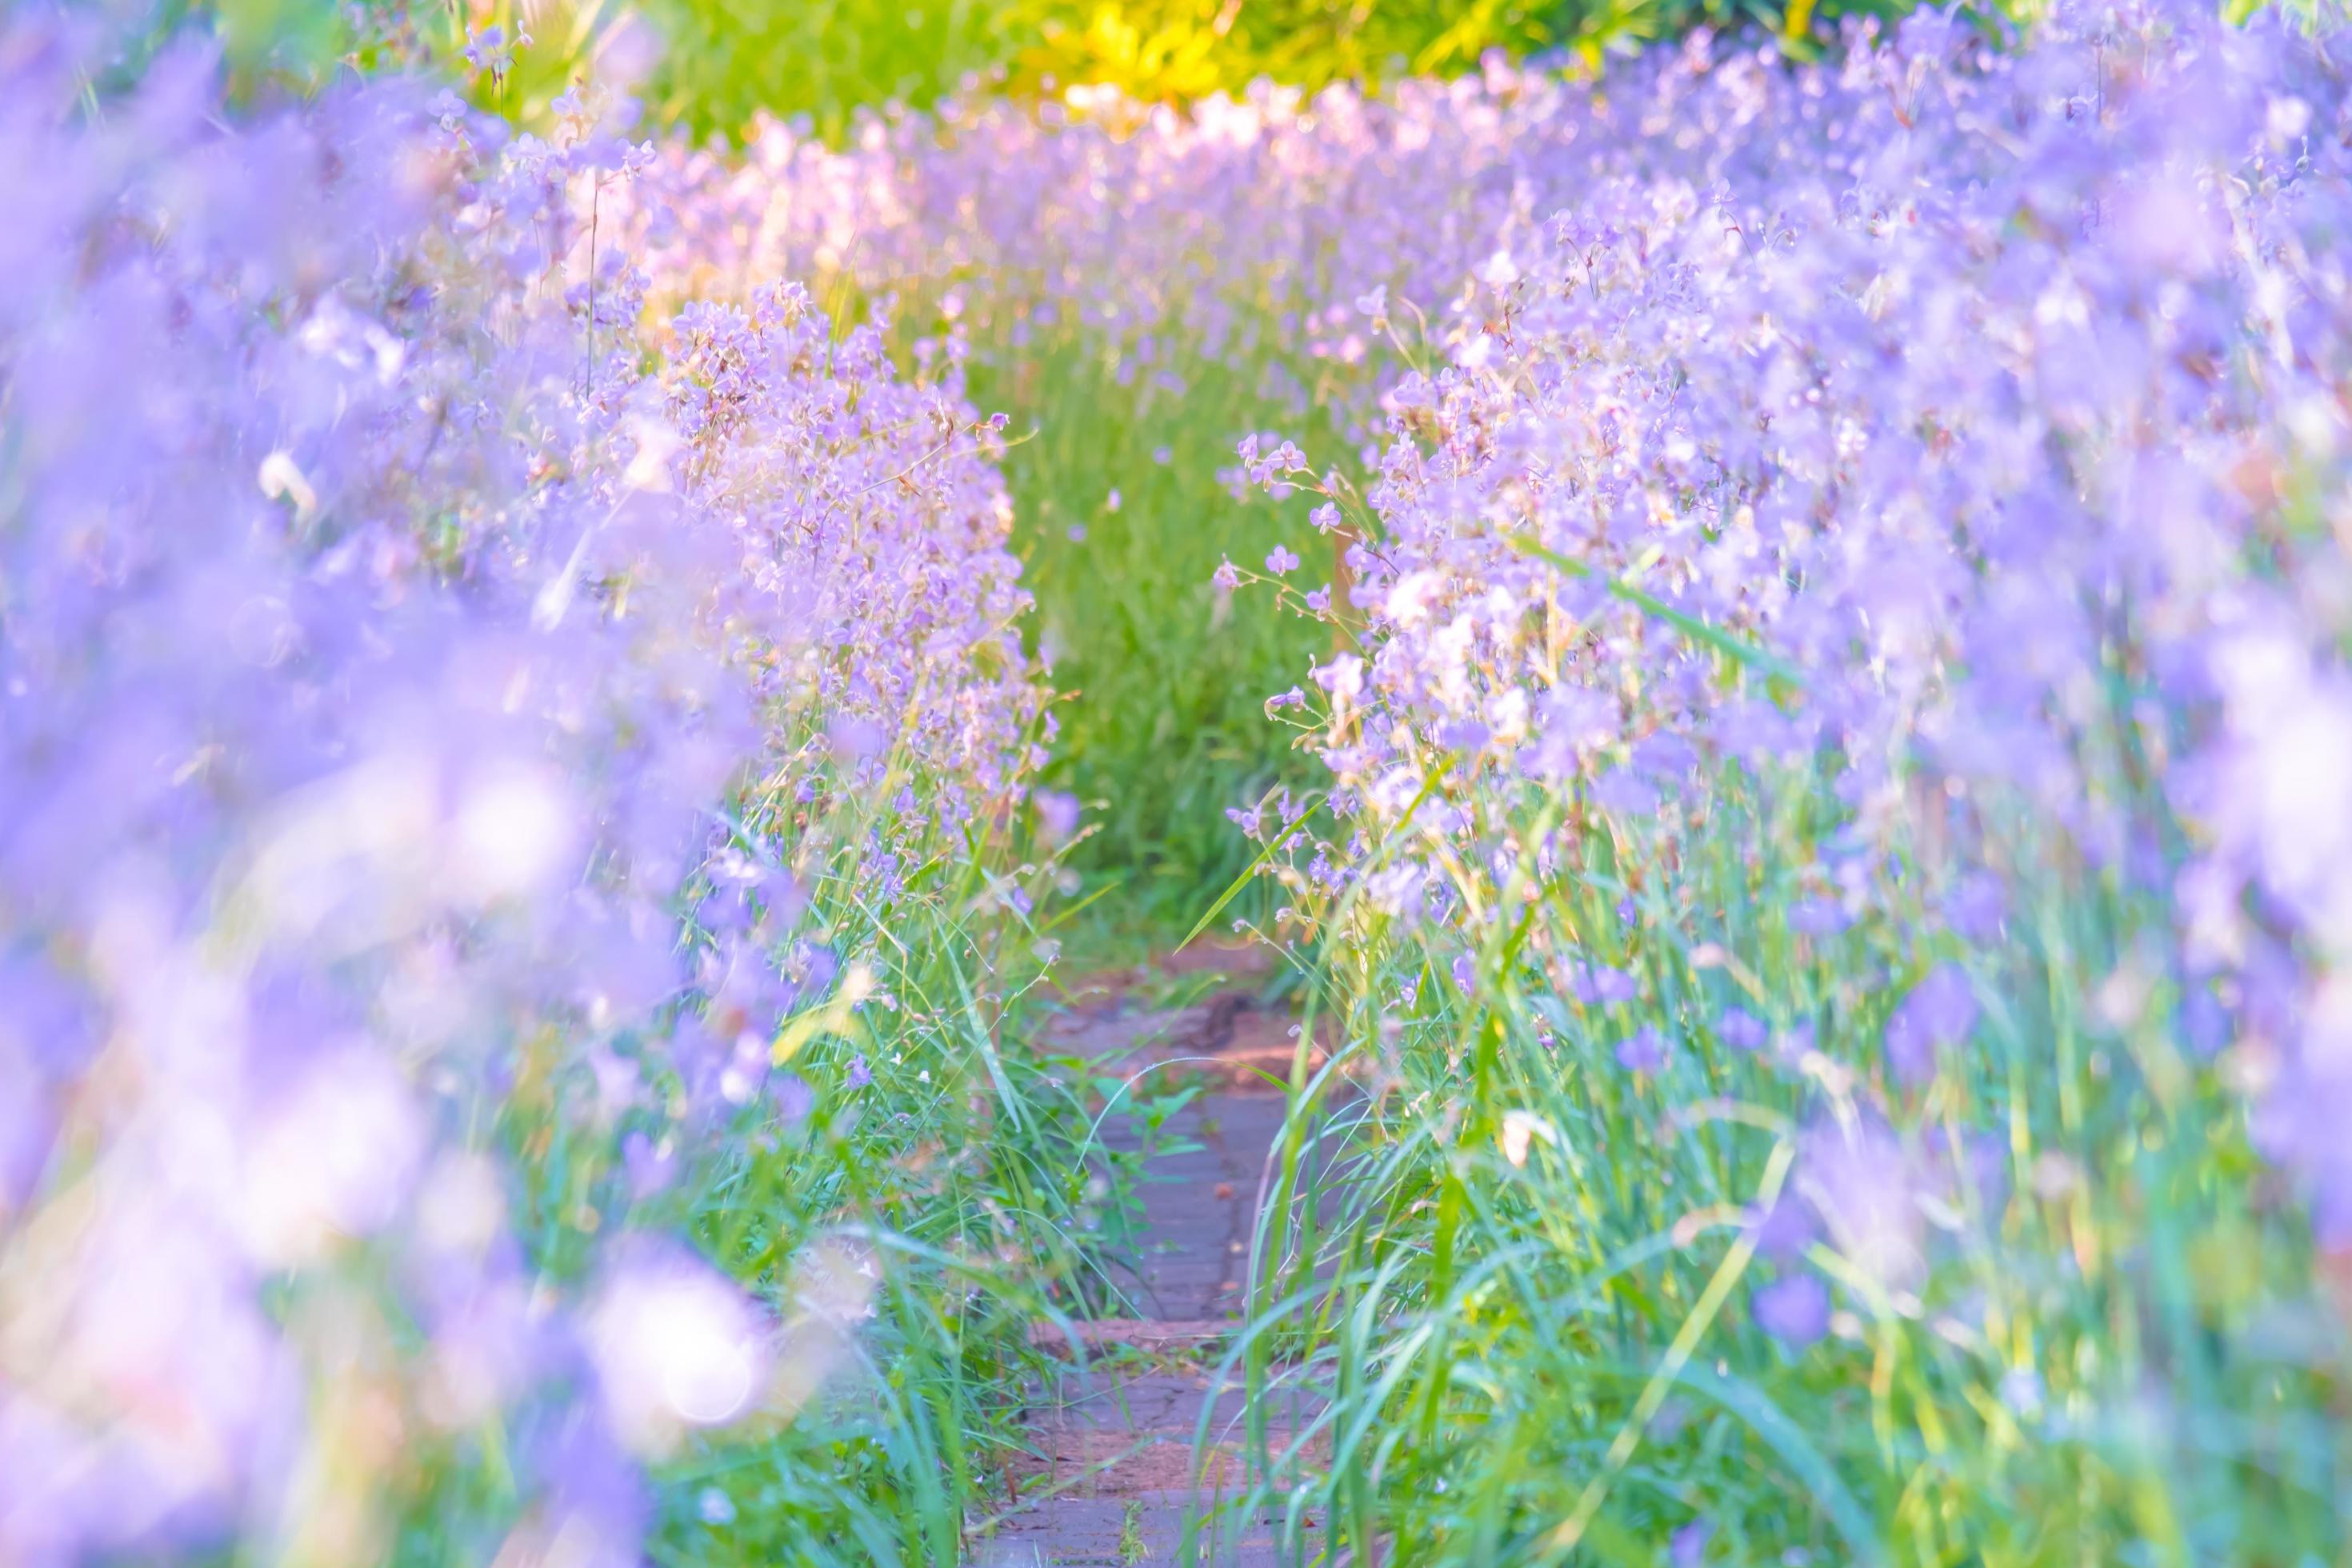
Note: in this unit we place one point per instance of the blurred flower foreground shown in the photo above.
(444, 717)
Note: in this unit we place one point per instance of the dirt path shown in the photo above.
(1116, 1477)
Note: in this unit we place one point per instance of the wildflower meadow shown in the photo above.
(1386, 783)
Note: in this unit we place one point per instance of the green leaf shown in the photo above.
(1730, 645)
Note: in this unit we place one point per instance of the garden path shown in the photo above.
(1116, 1476)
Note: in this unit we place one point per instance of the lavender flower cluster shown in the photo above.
(1955, 434)
(1988, 398)
(1235, 229)
(430, 707)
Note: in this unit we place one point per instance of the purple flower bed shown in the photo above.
(440, 732)
(1832, 858)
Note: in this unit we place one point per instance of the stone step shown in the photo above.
(1155, 1335)
(1119, 1468)
(1123, 1462)
(1141, 1531)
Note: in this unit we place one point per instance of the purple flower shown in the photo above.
(1976, 907)
(1938, 1014)
(1816, 918)
(859, 1073)
(1794, 1310)
(1281, 561)
(857, 740)
(1643, 1051)
(1463, 735)
(1058, 814)
(1624, 792)
(793, 1099)
(1741, 1031)
(1600, 984)
(1569, 720)
(2204, 1023)
(487, 48)
(650, 1167)
(1225, 576)
(1785, 1230)
(1865, 1189)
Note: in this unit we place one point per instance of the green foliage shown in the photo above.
(1175, 49)
(269, 47)
(1165, 730)
(908, 1219)
(2096, 1335)
(720, 62)
(723, 62)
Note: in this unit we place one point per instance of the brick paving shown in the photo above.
(1115, 1443)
